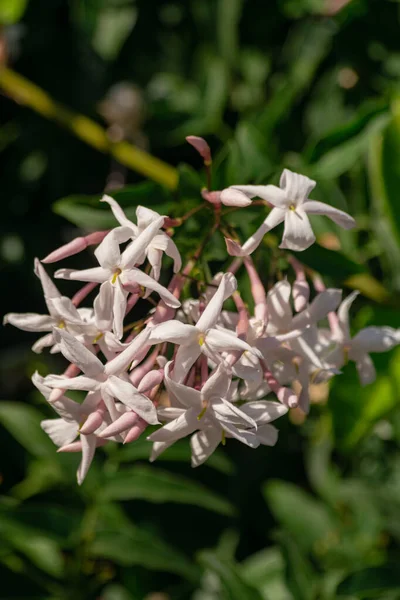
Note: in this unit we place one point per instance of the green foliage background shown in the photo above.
(283, 83)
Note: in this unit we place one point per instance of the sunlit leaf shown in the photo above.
(234, 586)
(23, 422)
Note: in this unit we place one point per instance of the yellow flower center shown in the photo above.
(61, 325)
(116, 273)
(292, 207)
(201, 339)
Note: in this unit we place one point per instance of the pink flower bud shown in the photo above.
(211, 197)
(93, 421)
(201, 146)
(150, 380)
(75, 246)
(124, 422)
(232, 197)
(135, 432)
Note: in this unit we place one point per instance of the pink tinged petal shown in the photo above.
(135, 432)
(93, 422)
(108, 253)
(75, 246)
(169, 413)
(201, 146)
(270, 193)
(217, 385)
(185, 359)
(119, 308)
(264, 411)
(124, 422)
(154, 257)
(322, 304)
(173, 331)
(246, 437)
(297, 187)
(97, 274)
(213, 309)
(217, 340)
(278, 305)
(109, 403)
(186, 396)
(135, 250)
(312, 207)
(121, 362)
(203, 443)
(178, 428)
(137, 276)
(301, 294)
(29, 321)
(59, 431)
(103, 307)
(88, 450)
(226, 412)
(119, 213)
(267, 435)
(375, 339)
(126, 393)
(366, 370)
(150, 380)
(72, 383)
(342, 335)
(297, 234)
(78, 354)
(43, 342)
(234, 197)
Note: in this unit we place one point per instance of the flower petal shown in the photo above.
(186, 396)
(264, 411)
(297, 234)
(178, 428)
(275, 217)
(343, 333)
(88, 450)
(59, 431)
(218, 384)
(268, 435)
(233, 197)
(218, 340)
(78, 354)
(96, 274)
(213, 309)
(203, 443)
(375, 339)
(103, 307)
(134, 275)
(323, 303)
(81, 382)
(173, 331)
(119, 308)
(29, 321)
(120, 363)
(313, 207)
(119, 213)
(271, 193)
(126, 393)
(184, 360)
(108, 253)
(297, 187)
(366, 370)
(278, 306)
(138, 247)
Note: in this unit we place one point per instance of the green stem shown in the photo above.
(27, 93)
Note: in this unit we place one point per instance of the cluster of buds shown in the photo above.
(192, 366)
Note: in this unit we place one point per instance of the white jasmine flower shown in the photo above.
(290, 204)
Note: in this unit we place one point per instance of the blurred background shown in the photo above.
(312, 85)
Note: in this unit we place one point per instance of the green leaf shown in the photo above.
(301, 578)
(304, 517)
(23, 422)
(89, 213)
(133, 546)
(370, 583)
(42, 551)
(265, 571)
(384, 175)
(158, 486)
(248, 159)
(12, 11)
(228, 17)
(340, 159)
(330, 263)
(178, 452)
(234, 586)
